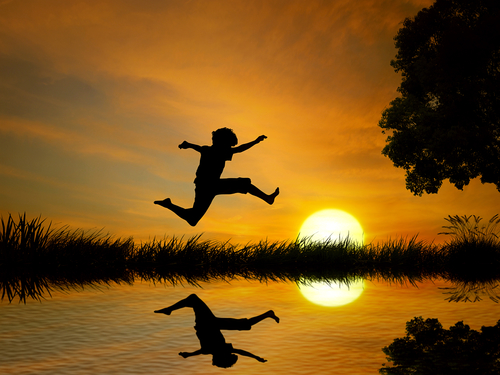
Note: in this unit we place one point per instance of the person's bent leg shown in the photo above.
(202, 201)
(192, 301)
(259, 318)
(183, 213)
(191, 215)
(186, 302)
(244, 324)
(268, 198)
(244, 185)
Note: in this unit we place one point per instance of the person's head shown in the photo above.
(224, 360)
(224, 137)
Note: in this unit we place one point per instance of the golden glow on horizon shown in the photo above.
(334, 225)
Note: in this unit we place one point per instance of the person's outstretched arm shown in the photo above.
(246, 146)
(185, 145)
(248, 354)
(186, 354)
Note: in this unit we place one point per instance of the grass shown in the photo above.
(474, 247)
(36, 258)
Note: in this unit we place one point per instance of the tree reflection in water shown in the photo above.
(430, 349)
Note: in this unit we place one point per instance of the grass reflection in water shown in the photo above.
(36, 258)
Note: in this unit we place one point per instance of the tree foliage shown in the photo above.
(429, 349)
(446, 123)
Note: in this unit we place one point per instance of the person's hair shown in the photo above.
(224, 137)
(224, 360)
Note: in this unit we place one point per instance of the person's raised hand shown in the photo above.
(261, 138)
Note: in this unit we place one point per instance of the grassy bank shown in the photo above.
(35, 257)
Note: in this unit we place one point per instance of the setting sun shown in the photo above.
(334, 225)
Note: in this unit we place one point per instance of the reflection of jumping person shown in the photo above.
(208, 329)
(208, 183)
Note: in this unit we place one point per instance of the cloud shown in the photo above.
(276, 46)
(30, 90)
(70, 140)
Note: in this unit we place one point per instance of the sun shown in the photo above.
(332, 225)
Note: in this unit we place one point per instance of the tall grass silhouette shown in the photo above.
(36, 258)
(474, 246)
(473, 257)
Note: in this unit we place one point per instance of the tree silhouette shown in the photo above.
(446, 123)
(429, 349)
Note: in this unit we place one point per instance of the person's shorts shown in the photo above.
(233, 324)
(205, 318)
(223, 186)
(205, 192)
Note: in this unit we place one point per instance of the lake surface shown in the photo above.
(114, 330)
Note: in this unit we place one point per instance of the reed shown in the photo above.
(36, 258)
(474, 247)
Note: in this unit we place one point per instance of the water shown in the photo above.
(114, 330)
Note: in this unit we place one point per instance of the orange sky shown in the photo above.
(95, 96)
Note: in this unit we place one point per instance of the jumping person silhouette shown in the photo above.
(208, 183)
(208, 329)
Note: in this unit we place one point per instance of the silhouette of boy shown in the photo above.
(208, 183)
(208, 329)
